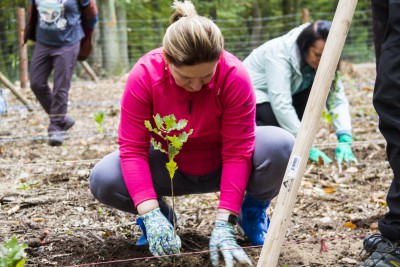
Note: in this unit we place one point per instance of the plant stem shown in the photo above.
(173, 214)
(173, 204)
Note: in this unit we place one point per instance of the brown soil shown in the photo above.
(45, 201)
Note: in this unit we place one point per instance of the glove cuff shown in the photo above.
(224, 225)
(345, 138)
(151, 214)
(227, 217)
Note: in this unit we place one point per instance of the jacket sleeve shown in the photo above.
(30, 28)
(278, 74)
(134, 138)
(338, 107)
(89, 14)
(238, 138)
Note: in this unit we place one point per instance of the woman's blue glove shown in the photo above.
(223, 238)
(343, 149)
(315, 153)
(160, 234)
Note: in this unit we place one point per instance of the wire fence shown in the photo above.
(241, 37)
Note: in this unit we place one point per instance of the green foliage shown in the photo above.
(99, 120)
(165, 128)
(12, 253)
(25, 185)
(245, 25)
(326, 115)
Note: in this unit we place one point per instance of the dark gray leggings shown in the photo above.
(272, 151)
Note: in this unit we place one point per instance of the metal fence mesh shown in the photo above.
(241, 36)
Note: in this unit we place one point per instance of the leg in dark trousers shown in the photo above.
(63, 63)
(266, 116)
(62, 60)
(380, 17)
(387, 102)
(40, 69)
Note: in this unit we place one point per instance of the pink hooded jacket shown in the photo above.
(222, 116)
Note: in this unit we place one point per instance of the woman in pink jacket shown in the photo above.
(192, 77)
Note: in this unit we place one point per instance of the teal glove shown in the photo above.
(343, 149)
(223, 238)
(315, 153)
(160, 234)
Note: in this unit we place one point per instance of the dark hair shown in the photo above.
(318, 30)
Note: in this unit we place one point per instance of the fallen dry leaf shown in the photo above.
(367, 88)
(39, 220)
(329, 190)
(373, 226)
(350, 225)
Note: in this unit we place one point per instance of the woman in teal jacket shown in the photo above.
(282, 71)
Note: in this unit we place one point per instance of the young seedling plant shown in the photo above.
(99, 120)
(12, 253)
(167, 127)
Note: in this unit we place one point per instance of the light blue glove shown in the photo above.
(315, 153)
(160, 234)
(223, 238)
(343, 150)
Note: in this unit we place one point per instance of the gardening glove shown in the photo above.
(315, 153)
(343, 149)
(160, 234)
(222, 238)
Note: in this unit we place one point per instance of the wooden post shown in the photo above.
(15, 91)
(305, 15)
(23, 54)
(306, 135)
(89, 70)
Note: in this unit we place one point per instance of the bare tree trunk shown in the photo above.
(109, 36)
(287, 9)
(256, 26)
(122, 33)
(156, 22)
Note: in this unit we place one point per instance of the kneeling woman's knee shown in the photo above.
(97, 182)
(273, 143)
(102, 181)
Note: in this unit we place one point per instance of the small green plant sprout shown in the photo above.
(12, 253)
(326, 116)
(99, 120)
(164, 128)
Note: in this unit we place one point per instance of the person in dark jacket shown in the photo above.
(58, 33)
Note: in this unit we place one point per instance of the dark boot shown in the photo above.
(382, 252)
(56, 138)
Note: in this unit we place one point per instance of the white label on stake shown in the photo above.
(294, 166)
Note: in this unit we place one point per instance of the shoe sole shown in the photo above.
(69, 125)
(55, 143)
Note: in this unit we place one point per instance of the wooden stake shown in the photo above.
(89, 70)
(305, 16)
(23, 60)
(15, 91)
(305, 137)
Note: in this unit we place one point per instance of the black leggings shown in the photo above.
(265, 115)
